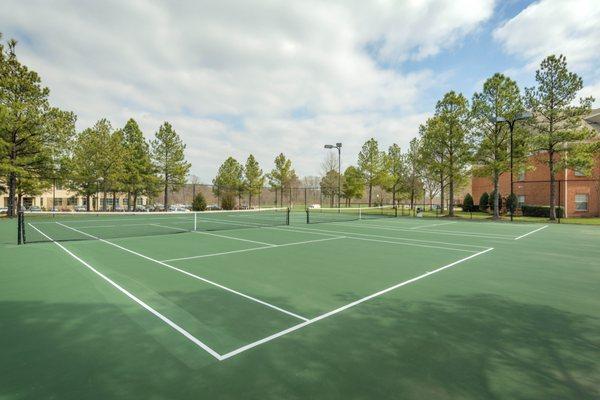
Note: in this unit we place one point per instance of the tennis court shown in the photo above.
(223, 294)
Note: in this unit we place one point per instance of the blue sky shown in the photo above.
(263, 77)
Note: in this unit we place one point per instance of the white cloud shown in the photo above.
(232, 76)
(557, 27)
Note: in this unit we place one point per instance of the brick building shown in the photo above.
(578, 193)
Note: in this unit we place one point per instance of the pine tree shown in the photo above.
(169, 159)
(371, 165)
(557, 134)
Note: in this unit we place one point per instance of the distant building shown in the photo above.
(578, 193)
(63, 199)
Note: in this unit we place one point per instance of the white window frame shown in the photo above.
(519, 202)
(578, 202)
(578, 172)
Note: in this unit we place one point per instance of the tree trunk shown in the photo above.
(496, 196)
(114, 202)
(128, 200)
(12, 188)
(249, 200)
(370, 192)
(441, 193)
(166, 196)
(451, 198)
(135, 197)
(87, 202)
(103, 199)
(552, 189)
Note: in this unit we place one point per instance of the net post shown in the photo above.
(20, 227)
(287, 216)
(307, 216)
(195, 220)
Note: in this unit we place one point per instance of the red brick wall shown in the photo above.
(538, 193)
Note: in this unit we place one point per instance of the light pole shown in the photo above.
(511, 125)
(338, 146)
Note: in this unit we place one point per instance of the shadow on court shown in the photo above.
(461, 347)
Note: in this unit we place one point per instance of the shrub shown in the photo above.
(483, 201)
(512, 202)
(199, 203)
(228, 202)
(540, 211)
(468, 204)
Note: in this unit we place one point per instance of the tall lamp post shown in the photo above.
(338, 146)
(511, 126)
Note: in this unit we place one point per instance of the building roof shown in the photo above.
(593, 119)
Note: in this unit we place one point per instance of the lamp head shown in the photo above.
(329, 146)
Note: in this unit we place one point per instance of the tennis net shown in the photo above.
(318, 215)
(71, 226)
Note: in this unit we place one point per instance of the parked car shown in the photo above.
(79, 208)
(141, 208)
(118, 208)
(34, 208)
(3, 210)
(213, 207)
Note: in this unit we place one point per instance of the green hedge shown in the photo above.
(540, 211)
(468, 203)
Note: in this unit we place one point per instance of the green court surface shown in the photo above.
(373, 309)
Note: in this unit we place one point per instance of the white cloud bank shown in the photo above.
(240, 77)
(571, 28)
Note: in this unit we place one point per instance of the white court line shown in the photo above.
(398, 240)
(347, 306)
(450, 233)
(172, 324)
(529, 233)
(254, 249)
(412, 244)
(190, 274)
(429, 226)
(214, 234)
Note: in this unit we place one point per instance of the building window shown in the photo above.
(72, 201)
(579, 172)
(520, 200)
(58, 201)
(521, 174)
(581, 202)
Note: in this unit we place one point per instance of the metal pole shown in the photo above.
(339, 176)
(53, 193)
(511, 125)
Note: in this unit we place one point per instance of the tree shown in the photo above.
(30, 129)
(169, 158)
(138, 168)
(500, 98)
(229, 179)
(84, 167)
(395, 171)
(254, 179)
(353, 184)
(370, 164)
(468, 205)
(483, 201)
(282, 175)
(199, 203)
(329, 185)
(453, 115)
(98, 160)
(414, 170)
(432, 154)
(557, 134)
